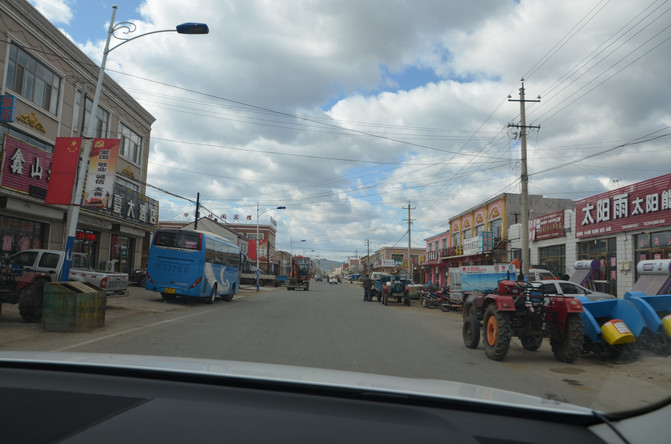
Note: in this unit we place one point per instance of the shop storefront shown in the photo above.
(655, 245)
(624, 226)
(20, 234)
(31, 126)
(604, 251)
(86, 241)
(120, 253)
(546, 231)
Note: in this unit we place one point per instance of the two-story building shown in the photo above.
(435, 269)
(479, 236)
(395, 260)
(47, 88)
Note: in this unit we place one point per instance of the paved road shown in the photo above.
(330, 326)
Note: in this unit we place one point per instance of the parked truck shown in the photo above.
(300, 276)
(23, 275)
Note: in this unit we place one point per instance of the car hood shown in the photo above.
(598, 296)
(353, 381)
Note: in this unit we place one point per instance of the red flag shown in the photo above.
(63, 170)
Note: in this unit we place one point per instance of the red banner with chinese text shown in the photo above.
(63, 170)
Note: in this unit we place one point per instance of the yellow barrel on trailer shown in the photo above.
(616, 332)
(666, 325)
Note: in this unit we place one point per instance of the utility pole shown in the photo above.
(195, 225)
(409, 240)
(368, 256)
(524, 178)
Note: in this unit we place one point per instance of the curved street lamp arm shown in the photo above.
(136, 37)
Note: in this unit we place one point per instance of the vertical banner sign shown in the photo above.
(7, 108)
(251, 248)
(63, 170)
(99, 185)
(263, 249)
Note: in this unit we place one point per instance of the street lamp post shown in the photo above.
(73, 210)
(291, 245)
(258, 213)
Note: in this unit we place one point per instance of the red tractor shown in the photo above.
(522, 310)
(23, 287)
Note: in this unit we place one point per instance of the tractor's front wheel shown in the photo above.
(498, 331)
(567, 345)
(471, 332)
(531, 343)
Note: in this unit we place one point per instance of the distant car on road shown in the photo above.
(333, 280)
(318, 277)
(567, 288)
(139, 276)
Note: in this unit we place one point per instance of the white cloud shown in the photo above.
(345, 186)
(57, 11)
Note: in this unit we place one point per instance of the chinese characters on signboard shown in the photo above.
(482, 243)
(131, 206)
(25, 168)
(547, 226)
(7, 108)
(101, 173)
(639, 206)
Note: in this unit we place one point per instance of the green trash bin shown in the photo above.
(73, 307)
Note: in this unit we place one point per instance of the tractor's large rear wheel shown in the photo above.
(567, 345)
(498, 331)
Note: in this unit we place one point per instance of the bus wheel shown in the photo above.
(229, 297)
(213, 295)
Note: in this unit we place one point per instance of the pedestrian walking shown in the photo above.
(367, 284)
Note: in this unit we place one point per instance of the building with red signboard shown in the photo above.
(481, 235)
(51, 83)
(618, 228)
(436, 270)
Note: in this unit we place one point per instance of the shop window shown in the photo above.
(19, 235)
(127, 183)
(32, 80)
(652, 246)
(553, 258)
(495, 227)
(603, 250)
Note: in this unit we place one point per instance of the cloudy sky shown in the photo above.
(346, 111)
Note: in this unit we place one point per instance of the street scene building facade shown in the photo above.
(480, 235)
(394, 260)
(618, 229)
(47, 91)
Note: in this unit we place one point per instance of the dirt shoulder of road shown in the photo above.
(134, 309)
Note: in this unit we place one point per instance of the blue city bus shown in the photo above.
(193, 264)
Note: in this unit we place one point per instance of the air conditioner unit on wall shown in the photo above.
(624, 266)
